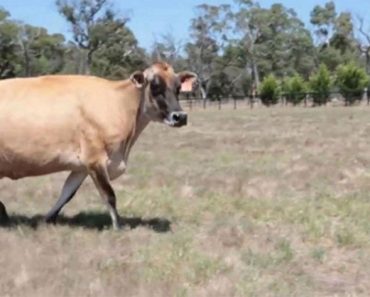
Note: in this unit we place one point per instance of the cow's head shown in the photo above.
(161, 88)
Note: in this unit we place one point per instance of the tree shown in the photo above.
(301, 50)
(364, 42)
(331, 57)
(343, 37)
(40, 52)
(168, 48)
(323, 17)
(351, 81)
(95, 26)
(219, 87)
(320, 85)
(26, 50)
(229, 75)
(336, 42)
(273, 40)
(82, 15)
(250, 20)
(8, 45)
(207, 34)
(118, 54)
(269, 90)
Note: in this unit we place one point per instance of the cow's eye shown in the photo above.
(156, 90)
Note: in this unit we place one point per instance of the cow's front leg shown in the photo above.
(100, 176)
(70, 188)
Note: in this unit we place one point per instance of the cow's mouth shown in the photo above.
(176, 119)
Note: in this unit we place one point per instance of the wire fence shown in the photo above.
(334, 99)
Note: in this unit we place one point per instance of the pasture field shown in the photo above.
(263, 202)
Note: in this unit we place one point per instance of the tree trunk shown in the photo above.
(88, 61)
(83, 62)
(26, 57)
(203, 92)
(256, 75)
(27, 64)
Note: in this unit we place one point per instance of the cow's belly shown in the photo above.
(28, 171)
(17, 166)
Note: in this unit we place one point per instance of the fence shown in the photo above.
(335, 99)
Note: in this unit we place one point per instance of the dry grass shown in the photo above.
(264, 202)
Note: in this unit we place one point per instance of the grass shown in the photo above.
(263, 202)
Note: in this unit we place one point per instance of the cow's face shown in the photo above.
(162, 87)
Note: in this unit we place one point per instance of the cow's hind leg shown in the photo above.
(4, 219)
(70, 188)
(100, 177)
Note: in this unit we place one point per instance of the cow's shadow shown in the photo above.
(89, 220)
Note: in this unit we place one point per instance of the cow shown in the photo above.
(83, 124)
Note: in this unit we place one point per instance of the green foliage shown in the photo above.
(273, 39)
(294, 89)
(119, 55)
(351, 81)
(269, 90)
(335, 33)
(320, 85)
(27, 51)
(42, 53)
(8, 45)
(343, 38)
(108, 47)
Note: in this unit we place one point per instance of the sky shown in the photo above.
(149, 19)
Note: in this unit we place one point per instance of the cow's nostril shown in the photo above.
(176, 117)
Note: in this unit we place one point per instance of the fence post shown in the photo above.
(366, 97)
(305, 100)
(254, 94)
(251, 101)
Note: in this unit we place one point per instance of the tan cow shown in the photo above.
(83, 124)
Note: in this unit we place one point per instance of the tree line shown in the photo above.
(237, 50)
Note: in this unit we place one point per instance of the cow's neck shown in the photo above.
(141, 122)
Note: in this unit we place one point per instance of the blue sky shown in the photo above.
(151, 18)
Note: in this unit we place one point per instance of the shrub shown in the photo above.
(351, 81)
(295, 89)
(269, 90)
(320, 84)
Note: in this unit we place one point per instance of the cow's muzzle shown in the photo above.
(177, 119)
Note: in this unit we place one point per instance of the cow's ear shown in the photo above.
(188, 80)
(138, 78)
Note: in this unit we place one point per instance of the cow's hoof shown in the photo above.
(117, 226)
(51, 220)
(4, 219)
